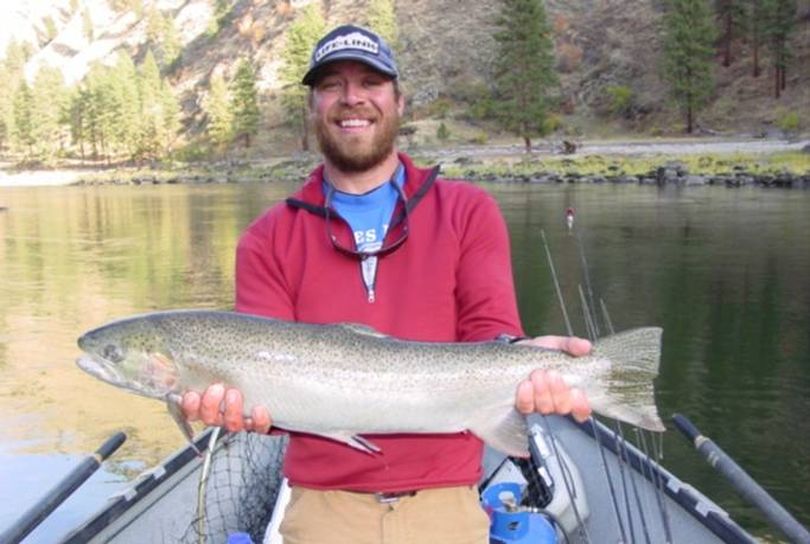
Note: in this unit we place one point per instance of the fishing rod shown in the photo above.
(744, 484)
(594, 332)
(557, 289)
(61, 491)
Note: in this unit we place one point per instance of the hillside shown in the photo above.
(446, 55)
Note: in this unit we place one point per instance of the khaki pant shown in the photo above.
(450, 515)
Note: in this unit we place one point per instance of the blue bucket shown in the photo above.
(514, 527)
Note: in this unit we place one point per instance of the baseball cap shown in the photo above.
(350, 42)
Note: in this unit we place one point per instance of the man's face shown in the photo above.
(355, 112)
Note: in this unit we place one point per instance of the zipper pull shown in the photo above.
(371, 296)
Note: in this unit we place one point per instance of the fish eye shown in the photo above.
(113, 353)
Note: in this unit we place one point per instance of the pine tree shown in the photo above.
(124, 79)
(172, 46)
(78, 112)
(11, 73)
(122, 6)
(780, 21)
(17, 54)
(24, 130)
(154, 27)
(50, 29)
(244, 103)
(151, 108)
(162, 38)
(382, 19)
(220, 118)
(756, 31)
(524, 74)
(221, 17)
(171, 118)
(49, 95)
(302, 36)
(6, 107)
(98, 111)
(730, 15)
(9, 81)
(688, 37)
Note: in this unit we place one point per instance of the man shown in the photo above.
(370, 238)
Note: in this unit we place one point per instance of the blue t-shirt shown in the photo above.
(369, 216)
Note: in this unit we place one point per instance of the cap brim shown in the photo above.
(311, 75)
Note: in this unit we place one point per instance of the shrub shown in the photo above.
(551, 123)
(480, 139)
(479, 100)
(621, 100)
(788, 122)
(442, 133)
(436, 109)
(569, 57)
(193, 152)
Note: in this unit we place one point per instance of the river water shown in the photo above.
(723, 271)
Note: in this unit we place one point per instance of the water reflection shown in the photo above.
(75, 257)
(723, 271)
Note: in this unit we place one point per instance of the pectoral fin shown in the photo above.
(503, 428)
(179, 417)
(353, 440)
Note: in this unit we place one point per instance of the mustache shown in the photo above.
(351, 112)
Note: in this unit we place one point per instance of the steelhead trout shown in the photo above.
(341, 381)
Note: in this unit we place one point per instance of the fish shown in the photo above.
(346, 380)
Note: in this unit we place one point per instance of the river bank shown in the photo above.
(41, 178)
(687, 162)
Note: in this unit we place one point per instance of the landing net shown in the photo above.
(241, 488)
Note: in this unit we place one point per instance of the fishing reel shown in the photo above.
(540, 499)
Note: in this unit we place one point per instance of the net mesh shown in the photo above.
(243, 485)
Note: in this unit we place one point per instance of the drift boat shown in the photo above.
(583, 480)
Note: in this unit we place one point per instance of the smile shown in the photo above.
(354, 123)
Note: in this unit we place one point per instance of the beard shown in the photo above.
(352, 154)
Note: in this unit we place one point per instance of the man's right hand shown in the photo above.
(223, 407)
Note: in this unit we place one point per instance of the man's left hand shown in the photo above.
(545, 392)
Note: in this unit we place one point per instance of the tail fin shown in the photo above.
(628, 393)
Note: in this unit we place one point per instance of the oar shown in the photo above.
(61, 491)
(742, 482)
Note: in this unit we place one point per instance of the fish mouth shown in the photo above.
(100, 368)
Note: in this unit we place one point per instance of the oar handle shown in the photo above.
(686, 427)
(111, 445)
(61, 491)
(744, 484)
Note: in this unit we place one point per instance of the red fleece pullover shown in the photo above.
(451, 280)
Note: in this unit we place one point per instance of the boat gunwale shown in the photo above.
(690, 499)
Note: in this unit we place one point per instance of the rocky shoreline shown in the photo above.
(664, 175)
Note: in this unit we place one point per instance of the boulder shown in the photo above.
(692, 180)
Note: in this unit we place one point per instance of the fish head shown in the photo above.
(132, 354)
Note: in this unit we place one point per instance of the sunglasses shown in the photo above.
(400, 223)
